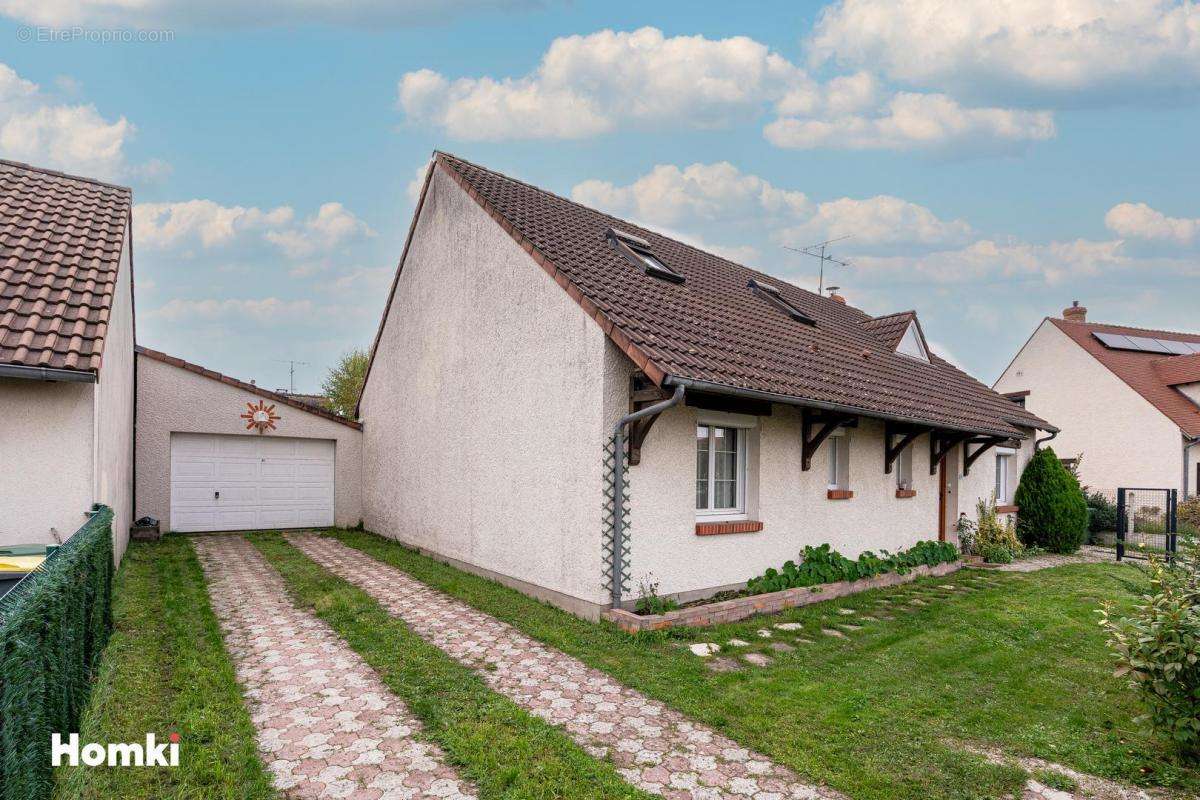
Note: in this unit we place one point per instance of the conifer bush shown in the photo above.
(1053, 511)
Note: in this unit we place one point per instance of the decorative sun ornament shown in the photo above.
(261, 416)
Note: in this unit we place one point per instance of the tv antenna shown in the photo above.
(819, 251)
(292, 371)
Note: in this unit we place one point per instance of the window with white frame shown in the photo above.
(1004, 465)
(839, 459)
(720, 469)
(904, 478)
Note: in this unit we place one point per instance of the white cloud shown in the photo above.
(73, 138)
(149, 13)
(265, 310)
(587, 85)
(1140, 221)
(207, 224)
(916, 121)
(1033, 46)
(699, 195)
(417, 183)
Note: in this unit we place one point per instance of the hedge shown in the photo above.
(53, 626)
(1053, 512)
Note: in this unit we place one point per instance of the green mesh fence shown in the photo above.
(53, 626)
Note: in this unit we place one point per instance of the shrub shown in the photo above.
(1102, 513)
(1053, 510)
(996, 541)
(823, 564)
(1188, 514)
(1158, 647)
(650, 601)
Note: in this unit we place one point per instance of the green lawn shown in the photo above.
(1010, 660)
(165, 670)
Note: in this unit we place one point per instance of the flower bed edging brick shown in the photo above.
(742, 607)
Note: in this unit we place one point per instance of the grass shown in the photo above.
(1012, 660)
(507, 752)
(165, 670)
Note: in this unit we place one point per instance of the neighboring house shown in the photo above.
(1127, 399)
(521, 327)
(66, 354)
(216, 454)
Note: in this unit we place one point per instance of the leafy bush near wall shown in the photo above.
(1102, 513)
(1053, 510)
(823, 564)
(1158, 647)
(995, 540)
(1188, 516)
(53, 626)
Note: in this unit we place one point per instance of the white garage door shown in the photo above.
(238, 483)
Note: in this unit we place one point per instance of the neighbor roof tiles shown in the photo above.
(713, 329)
(1151, 375)
(60, 248)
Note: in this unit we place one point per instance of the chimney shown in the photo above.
(834, 296)
(1076, 313)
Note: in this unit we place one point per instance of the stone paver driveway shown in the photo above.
(652, 746)
(327, 726)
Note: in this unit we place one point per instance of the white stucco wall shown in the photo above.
(1124, 440)
(45, 459)
(113, 479)
(484, 409)
(174, 400)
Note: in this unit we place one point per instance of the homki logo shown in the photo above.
(150, 754)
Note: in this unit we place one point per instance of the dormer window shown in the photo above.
(776, 298)
(638, 251)
(913, 345)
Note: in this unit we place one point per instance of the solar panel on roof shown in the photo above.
(1147, 345)
(1114, 341)
(1178, 348)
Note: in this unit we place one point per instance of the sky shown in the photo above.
(990, 162)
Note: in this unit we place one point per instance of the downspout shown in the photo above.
(1037, 443)
(618, 567)
(1186, 449)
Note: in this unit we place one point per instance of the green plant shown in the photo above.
(343, 384)
(1053, 510)
(1056, 780)
(823, 564)
(650, 602)
(1188, 513)
(1102, 513)
(53, 626)
(995, 540)
(968, 533)
(1158, 647)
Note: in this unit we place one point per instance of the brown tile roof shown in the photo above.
(1149, 374)
(60, 247)
(1178, 370)
(891, 327)
(712, 329)
(287, 399)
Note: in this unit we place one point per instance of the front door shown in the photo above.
(948, 497)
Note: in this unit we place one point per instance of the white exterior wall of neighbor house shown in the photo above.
(113, 479)
(46, 452)
(485, 413)
(174, 400)
(1124, 439)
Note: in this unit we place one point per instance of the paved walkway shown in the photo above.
(327, 726)
(654, 747)
(1088, 554)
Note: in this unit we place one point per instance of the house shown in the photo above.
(66, 354)
(523, 330)
(1127, 399)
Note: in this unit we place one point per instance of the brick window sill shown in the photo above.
(839, 494)
(721, 528)
(1007, 509)
(906, 493)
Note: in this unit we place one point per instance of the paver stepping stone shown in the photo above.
(835, 633)
(847, 611)
(723, 664)
(916, 601)
(652, 746)
(790, 626)
(738, 643)
(327, 725)
(757, 659)
(781, 647)
(705, 649)
(764, 633)
(848, 627)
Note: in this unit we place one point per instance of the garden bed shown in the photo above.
(700, 615)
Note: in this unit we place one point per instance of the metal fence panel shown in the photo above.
(1147, 522)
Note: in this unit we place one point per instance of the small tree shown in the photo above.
(344, 382)
(1053, 512)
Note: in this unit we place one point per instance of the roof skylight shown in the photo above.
(638, 250)
(773, 295)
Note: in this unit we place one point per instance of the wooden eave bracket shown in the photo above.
(907, 434)
(971, 456)
(942, 443)
(816, 427)
(642, 393)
